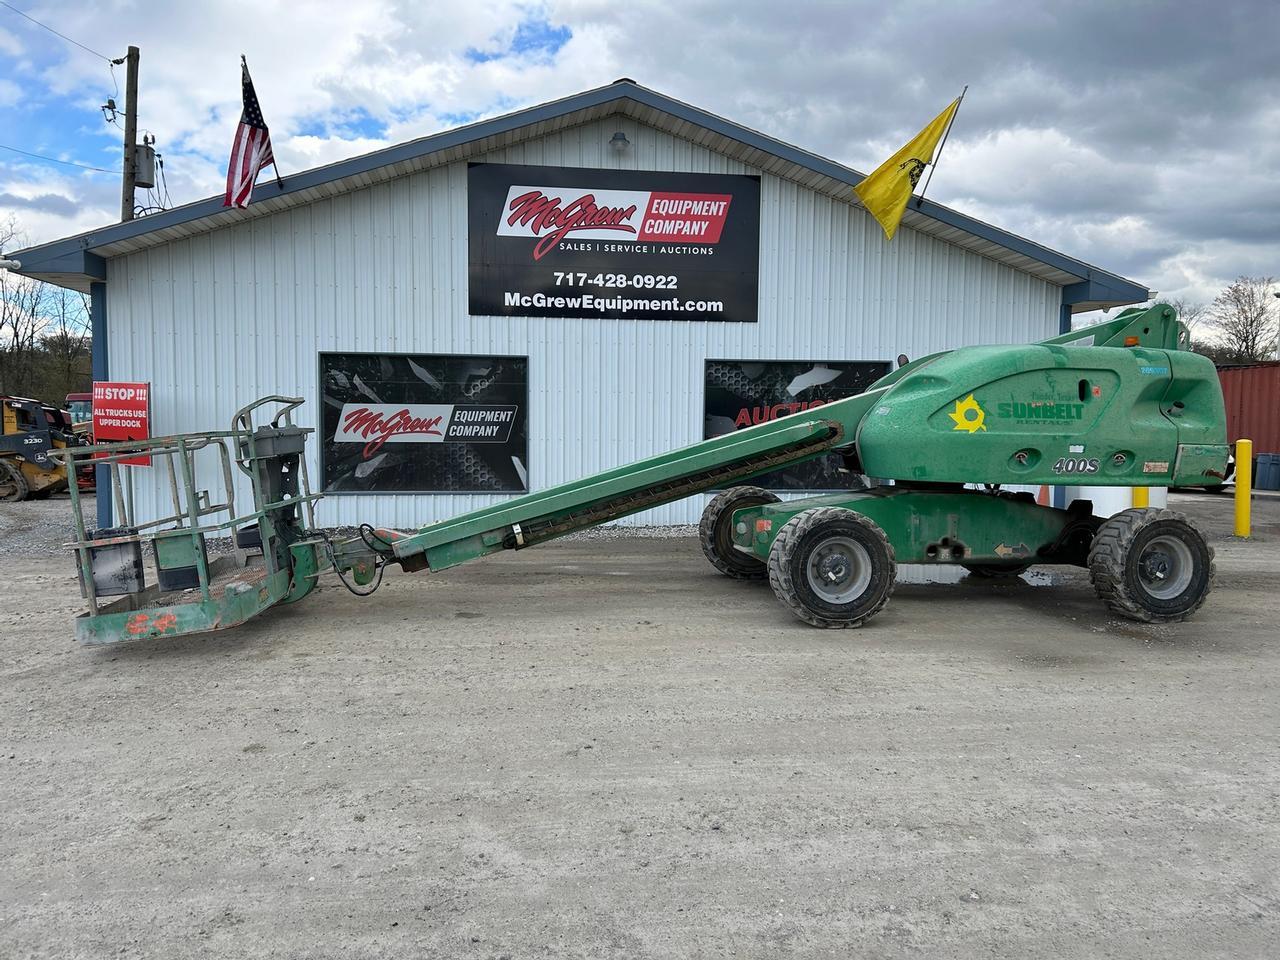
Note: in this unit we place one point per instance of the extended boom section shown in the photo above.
(547, 514)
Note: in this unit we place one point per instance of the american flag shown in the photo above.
(251, 150)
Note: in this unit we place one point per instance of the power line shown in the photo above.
(45, 26)
(38, 156)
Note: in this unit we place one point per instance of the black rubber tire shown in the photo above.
(715, 533)
(13, 485)
(789, 558)
(1116, 554)
(997, 571)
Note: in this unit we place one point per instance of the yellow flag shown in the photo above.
(887, 189)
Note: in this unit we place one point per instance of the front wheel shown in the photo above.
(1153, 566)
(832, 567)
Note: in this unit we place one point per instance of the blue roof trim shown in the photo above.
(54, 259)
(1103, 288)
(64, 250)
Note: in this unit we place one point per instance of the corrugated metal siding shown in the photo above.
(1252, 395)
(215, 320)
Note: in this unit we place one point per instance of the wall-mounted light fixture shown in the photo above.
(620, 142)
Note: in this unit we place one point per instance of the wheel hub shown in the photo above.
(1156, 566)
(834, 568)
(1165, 567)
(839, 570)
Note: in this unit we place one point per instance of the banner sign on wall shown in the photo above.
(742, 393)
(430, 423)
(618, 244)
(121, 412)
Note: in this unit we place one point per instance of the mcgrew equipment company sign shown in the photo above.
(423, 423)
(566, 242)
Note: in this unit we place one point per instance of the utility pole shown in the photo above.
(130, 134)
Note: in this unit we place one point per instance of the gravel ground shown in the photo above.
(37, 528)
(604, 749)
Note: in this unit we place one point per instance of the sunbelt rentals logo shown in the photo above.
(553, 215)
(968, 415)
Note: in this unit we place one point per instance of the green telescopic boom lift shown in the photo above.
(1122, 403)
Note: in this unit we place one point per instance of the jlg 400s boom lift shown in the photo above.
(1123, 403)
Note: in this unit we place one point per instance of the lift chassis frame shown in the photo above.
(993, 529)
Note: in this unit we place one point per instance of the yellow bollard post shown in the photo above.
(1244, 485)
(1141, 497)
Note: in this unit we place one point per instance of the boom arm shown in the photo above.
(597, 499)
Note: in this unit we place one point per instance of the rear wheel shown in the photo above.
(715, 533)
(13, 485)
(832, 567)
(1152, 566)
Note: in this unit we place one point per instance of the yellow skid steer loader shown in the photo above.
(28, 431)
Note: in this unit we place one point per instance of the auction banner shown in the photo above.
(743, 393)
(617, 244)
(426, 423)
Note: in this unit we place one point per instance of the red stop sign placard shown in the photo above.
(122, 412)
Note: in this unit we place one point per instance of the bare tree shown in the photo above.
(1190, 312)
(1219, 353)
(65, 346)
(45, 350)
(1244, 315)
(22, 320)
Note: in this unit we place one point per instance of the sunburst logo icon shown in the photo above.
(968, 415)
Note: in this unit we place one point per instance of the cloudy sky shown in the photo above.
(1140, 136)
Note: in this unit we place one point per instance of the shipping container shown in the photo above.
(1252, 395)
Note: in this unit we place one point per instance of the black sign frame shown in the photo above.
(605, 257)
(517, 434)
(720, 402)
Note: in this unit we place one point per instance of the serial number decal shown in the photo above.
(640, 281)
(1076, 465)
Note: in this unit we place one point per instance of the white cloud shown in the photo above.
(9, 43)
(85, 202)
(1158, 167)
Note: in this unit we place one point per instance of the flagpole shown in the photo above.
(938, 155)
(275, 167)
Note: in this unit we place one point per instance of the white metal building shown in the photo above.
(215, 307)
